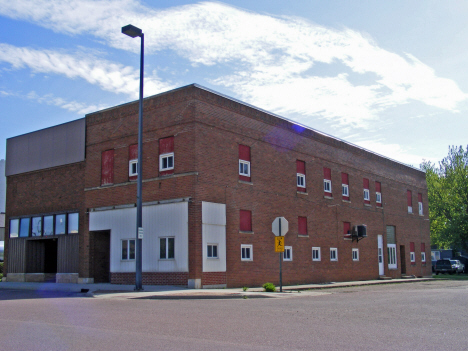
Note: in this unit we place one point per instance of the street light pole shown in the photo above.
(133, 32)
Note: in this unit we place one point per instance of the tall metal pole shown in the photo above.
(281, 261)
(138, 268)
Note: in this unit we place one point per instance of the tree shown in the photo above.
(448, 199)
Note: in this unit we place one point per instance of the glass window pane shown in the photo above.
(162, 248)
(170, 249)
(14, 227)
(215, 251)
(36, 228)
(210, 251)
(171, 161)
(24, 227)
(60, 224)
(48, 225)
(124, 250)
(73, 223)
(132, 250)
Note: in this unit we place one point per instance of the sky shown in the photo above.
(389, 76)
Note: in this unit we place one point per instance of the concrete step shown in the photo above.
(404, 276)
(383, 277)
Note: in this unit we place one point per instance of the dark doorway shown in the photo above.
(50, 256)
(403, 259)
(101, 256)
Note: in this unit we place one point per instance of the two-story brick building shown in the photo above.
(216, 173)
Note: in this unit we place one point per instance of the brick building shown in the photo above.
(216, 173)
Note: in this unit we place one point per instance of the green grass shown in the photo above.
(451, 276)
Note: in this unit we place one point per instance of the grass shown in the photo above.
(451, 276)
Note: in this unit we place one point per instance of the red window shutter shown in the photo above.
(107, 167)
(419, 197)
(366, 183)
(346, 228)
(300, 165)
(423, 247)
(245, 221)
(244, 153)
(411, 245)
(166, 145)
(344, 178)
(326, 173)
(408, 198)
(302, 225)
(133, 152)
(378, 187)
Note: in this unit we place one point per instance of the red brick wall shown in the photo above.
(151, 278)
(214, 278)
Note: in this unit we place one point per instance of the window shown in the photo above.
(246, 253)
(24, 227)
(327, 188)
(245, 221)
(133, 168)
(366, 191)
(212, 251)
(287, 254)
(36, 227)
(166, 156)
(378, 194)
(244, 163)
(412, 255)
(409, 201)
(107, 167)
(166, 248)
(60, 224)
(128, 249)
(423, 252)
(73, 219)
(133, 162)
(333, 254)
(347, 229)
(14, 228)
(302, 225)
(366, 195)
(355, 253)
(316, 254)
(48, 225)
(301, 179)
(345, 186)
(391, 247)
(420, 204)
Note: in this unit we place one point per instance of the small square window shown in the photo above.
(410, 209)
(246, 253)
(423, 257)
(128, 249)
(244, 168)
(327, 186)
(378, 198)
(345, 190)
(316, 254)
(355, 254)
(301, 180)
(287, 254)
(333, 254)
(412, 257)
(166, 162)
(366, 194)
(212, 251)
(133, 168)
(166, 248)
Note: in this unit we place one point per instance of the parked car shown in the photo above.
(444, 266)
(458, 265)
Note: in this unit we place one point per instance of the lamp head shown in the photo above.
(132, 31)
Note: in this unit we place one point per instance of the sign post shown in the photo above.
(280, 227)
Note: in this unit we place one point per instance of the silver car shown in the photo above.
(458, 265)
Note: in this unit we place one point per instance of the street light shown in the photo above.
(133, 32)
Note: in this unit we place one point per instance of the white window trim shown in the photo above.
(345, 190)
(357, 254)
(335, 250)
(366, 195)
(302, 176)
(423, 257)
(410, 209)
(163, 156)
(391, 256)
(412, 257)
(243, 162)
(128, 250)
(291, 253)
(420, 206)
(167, 248)
(325, 183)
(319, 255)
(130, 163)
(212, 257)
(378, 197)
(250, 247)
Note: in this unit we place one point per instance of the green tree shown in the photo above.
(448, 199)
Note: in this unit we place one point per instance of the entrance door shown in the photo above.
(101, 256)
(403, 259)
(380, 254)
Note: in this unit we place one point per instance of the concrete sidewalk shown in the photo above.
(159, 291)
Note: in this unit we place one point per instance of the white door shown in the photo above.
(380, 254)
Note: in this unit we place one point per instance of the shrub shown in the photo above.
(270, 287)
(245, 288)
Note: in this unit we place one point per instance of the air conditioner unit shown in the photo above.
(359, 232)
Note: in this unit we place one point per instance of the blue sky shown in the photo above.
(389, 76)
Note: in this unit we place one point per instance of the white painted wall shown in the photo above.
(166, 220)
(214, 232)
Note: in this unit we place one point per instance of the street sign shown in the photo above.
(280, 226)
(140, 233)
(279, 244)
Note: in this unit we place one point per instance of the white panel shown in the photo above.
(214, 232)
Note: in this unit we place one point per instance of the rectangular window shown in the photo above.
(212, 251)
(24, 227)
(355, 253)
(409, 201)
(246, 253)
(327, 186)
(345, 186)
(391, 247)
(287, 254)
(128, 249)
(14, 228)
(378, 194)
(420, 204)
(107, 167)
(302, 225)
(245, 221)
(244, 163)
(73, 221)
(347, 229)
(412, 254)
(316, 254)
(36, 226)
(301, 178)
(366, 191)
(133, 162)
(166, 248)
(166, 156)
(48, 225)
(423, 252)
(60, 224)
(333, 254)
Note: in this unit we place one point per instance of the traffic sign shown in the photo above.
(280, 226)
(279, 244)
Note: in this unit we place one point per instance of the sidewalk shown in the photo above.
(164, 291)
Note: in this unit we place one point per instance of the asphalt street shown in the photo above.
(429, 315)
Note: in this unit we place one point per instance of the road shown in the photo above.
(414, 316)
